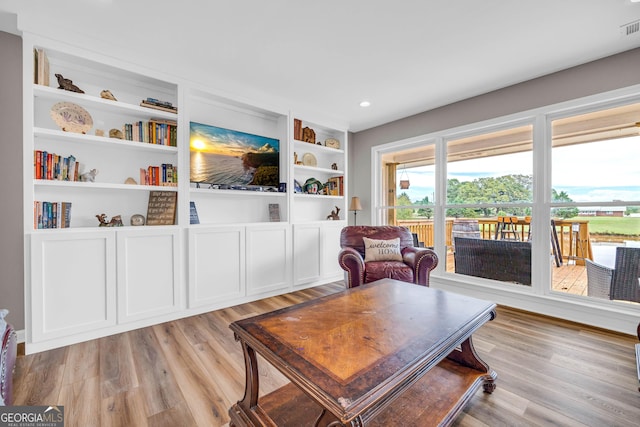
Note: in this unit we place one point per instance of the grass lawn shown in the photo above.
(625, 226)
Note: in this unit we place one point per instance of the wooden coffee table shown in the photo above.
(385, 353)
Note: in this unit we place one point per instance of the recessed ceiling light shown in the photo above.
(367, 103)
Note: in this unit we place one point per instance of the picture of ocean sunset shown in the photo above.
(227, 157)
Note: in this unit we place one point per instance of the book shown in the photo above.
(42, 68)
(193, 214)
(297, 129)
(158, 102)
(159, 107)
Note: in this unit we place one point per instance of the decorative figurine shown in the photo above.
(89, 176)
(106, 94)
(313, 186)
(67, 84)
(130, 181)
(116, 221)
(334, 214)
(334, 166)
(116, 133)
(137, 220)
(308, 135)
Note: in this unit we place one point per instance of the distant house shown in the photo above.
(617, 211)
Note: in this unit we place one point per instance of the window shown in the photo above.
(595, 198)
(489, 195)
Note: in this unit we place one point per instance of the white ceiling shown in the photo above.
(404, 56)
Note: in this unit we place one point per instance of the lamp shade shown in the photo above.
(355, 204)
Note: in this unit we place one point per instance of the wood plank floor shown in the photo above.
(190, 371)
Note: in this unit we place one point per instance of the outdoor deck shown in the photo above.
(569, 278)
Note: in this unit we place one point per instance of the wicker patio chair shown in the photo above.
(619, 283)
(624, 283)
(598, 280)
(508, 261)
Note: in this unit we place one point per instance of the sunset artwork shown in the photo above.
(232, 159)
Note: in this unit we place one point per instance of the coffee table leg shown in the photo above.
(469, 357)
(242, 411)
(327, 419)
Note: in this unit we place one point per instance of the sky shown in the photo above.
(228, 142)
(594, 172)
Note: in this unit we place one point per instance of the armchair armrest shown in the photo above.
(422, 261)
(598, 279)
(353, 264)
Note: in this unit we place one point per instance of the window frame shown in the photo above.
(539, 297)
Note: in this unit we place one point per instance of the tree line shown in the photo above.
(505, 189)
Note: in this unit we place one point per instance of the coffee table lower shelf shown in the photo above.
(434, 400)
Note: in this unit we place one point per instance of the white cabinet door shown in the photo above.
(73, 284)
(148, 272)
(307, 252)
(268, 254)
(330, 249)
(216, 264)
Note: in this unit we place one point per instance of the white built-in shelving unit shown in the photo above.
(85, 281)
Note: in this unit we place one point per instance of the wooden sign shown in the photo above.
(162, 208)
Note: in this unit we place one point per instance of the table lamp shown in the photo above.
(355, 207)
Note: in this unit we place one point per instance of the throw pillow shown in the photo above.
(382, 250)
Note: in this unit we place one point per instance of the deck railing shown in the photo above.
(573, 235)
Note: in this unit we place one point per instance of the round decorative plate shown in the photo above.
(309, 160)
(71, 117)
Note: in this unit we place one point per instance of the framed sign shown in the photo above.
(162, 208)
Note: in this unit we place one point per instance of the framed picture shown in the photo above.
(274, 212)
(231, 159)
(162, 208)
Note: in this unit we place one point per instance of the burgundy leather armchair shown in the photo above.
(415, 267)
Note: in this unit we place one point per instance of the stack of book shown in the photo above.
(335, 186)
(155, 131)
(158, 105)
(54, 167)
(51, 215)
(165, 175)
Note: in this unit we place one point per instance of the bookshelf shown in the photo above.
(324, 161)
(130, 276)
(86, 281)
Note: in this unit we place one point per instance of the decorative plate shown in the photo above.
(309, 160)
(71, 117)
(332, 143)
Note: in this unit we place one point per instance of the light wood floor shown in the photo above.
(190, 371)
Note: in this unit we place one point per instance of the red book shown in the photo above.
(38, 164)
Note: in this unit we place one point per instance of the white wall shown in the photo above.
(11, 249)
(615, 72)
